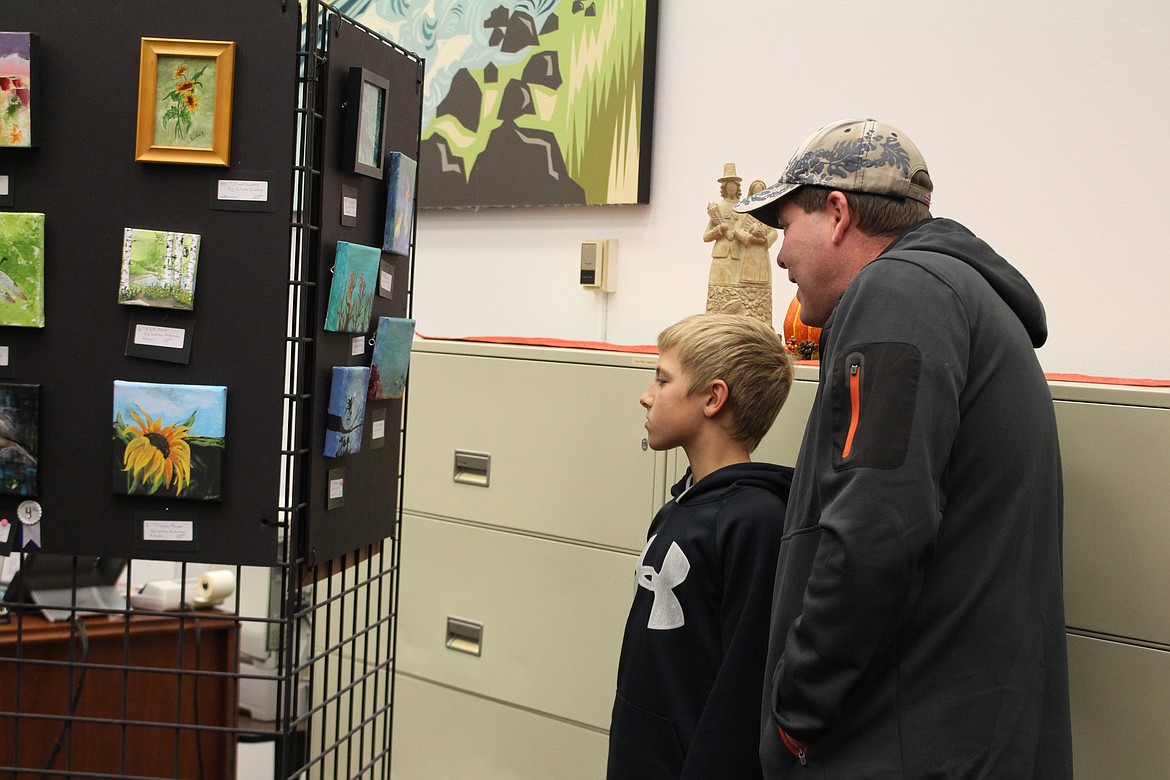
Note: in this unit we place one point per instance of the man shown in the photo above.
(917, 619)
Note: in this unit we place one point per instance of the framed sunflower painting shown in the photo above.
(169, 440)
(185, 101)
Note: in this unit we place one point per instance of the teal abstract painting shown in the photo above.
(391, 358)
(351, 294)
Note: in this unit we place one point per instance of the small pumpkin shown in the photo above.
(802, 340)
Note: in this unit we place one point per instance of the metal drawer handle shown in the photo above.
(473, 468)
(465, 636)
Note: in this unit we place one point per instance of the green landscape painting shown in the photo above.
(158, 269)
(22, 269)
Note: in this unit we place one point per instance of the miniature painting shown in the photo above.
(347, 411)
(169, 440)
(351, 295)
(391, 358)
(22, 269)
(158, 269)
(365, 122)
(185, 101)
(399, 204)
(528, 103)
(16, 81)
(18, 439)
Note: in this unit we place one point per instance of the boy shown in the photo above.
(692, 660)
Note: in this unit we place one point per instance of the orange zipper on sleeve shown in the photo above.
(854, 404)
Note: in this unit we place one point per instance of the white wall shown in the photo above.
(1045, 124)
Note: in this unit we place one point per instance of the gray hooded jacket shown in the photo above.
(918, 619)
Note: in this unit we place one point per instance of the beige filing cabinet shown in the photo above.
(527, 496)
(1115, 446)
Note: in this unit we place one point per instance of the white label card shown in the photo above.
(336, 488)
(159, 336)
(349, 207)
(238, 189)
(4, 185)
(359, 345)
(378, 429)
(168, 531)
(386, 279)
(3, 355)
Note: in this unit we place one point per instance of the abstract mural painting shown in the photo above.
(347, 411)
(169, 439)
(22, 269)
(158, 269)
(528, 102)
(19, 426)
(17, 73)
(351, 293)
(391, 358)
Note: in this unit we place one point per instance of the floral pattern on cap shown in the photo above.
(856, 155)
(846, 157)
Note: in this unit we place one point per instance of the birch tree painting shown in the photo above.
(158, 269)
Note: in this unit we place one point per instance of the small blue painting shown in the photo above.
(399, 204)
(347, 410)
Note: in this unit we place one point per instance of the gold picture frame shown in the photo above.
(185, 101)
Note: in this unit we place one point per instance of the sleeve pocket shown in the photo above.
(874, 391)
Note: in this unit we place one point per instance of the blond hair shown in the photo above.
(743, 352)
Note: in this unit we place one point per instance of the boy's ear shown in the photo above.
(717, 395)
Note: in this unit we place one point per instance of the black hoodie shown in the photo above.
(688, 685)
(918, 619)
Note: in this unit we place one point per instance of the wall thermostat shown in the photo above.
(597, 265)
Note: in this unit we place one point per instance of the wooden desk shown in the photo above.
(145, 704)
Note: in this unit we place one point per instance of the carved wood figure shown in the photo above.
(740, 280)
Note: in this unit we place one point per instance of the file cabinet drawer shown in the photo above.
(552, 616)
(564, 442)
(1120, 710)
(1117, 518)
(443, 734)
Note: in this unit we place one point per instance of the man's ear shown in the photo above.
(837, 206)
(717, 395)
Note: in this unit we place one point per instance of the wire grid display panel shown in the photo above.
(124, 691)
(157, 692)
(344, 603)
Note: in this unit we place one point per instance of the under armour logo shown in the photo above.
(667, 612)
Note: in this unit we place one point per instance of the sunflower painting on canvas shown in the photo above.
(169, 439)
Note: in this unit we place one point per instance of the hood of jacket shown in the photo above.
(947, 237)
(776, 479)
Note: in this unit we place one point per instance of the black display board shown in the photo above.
(83, 176)
(368, 507)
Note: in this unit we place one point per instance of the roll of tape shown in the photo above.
(216, 585)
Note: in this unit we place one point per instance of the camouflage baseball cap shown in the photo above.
(857, 155)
